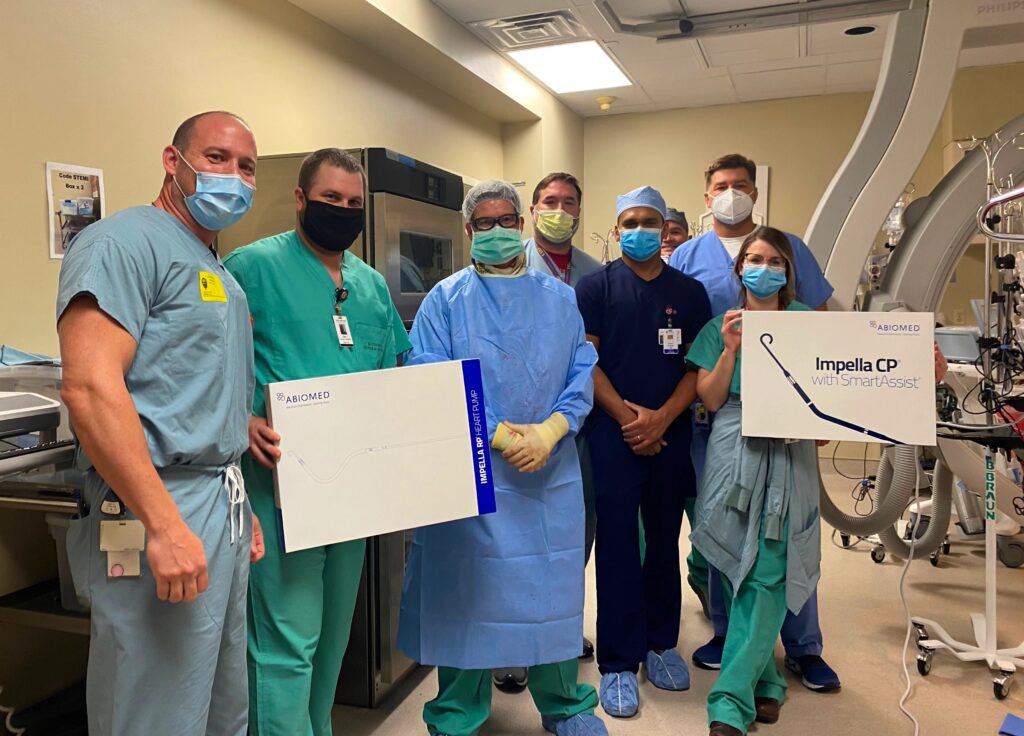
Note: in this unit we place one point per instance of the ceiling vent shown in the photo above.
(536, 29)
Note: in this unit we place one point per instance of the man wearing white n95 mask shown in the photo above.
(710, 258)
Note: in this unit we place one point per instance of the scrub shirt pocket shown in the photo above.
(804, 561)
(371, 344)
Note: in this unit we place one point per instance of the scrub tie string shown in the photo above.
(235, 487)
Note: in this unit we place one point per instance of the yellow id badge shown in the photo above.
(210, 287)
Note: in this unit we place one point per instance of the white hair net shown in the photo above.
(490, 189)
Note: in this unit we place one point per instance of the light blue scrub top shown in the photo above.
(580, 265)
(192, 376)
(706, 259)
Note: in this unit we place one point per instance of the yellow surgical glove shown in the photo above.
(504, 438)
(531, 453)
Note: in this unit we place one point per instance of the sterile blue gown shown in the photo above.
(506, 589)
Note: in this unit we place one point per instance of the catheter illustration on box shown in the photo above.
(857, 376)
(370, 453)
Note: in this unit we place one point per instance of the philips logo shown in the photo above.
(1004, 7)
(895, 328)
(314, 397)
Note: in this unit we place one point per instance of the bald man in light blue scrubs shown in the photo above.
(158, 380)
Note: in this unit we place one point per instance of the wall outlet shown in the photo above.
(958, 316)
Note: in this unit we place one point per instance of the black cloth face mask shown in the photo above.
(331, 227)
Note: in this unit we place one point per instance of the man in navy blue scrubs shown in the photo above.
(640, 315)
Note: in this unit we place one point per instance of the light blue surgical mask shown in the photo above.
(763, 281)
(220, 200)
(641, 243)
(496, 246)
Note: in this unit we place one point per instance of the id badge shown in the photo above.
(125, 535)
(669, 340)
(700, 414)
(344, 333)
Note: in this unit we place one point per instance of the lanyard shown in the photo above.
(553, 267)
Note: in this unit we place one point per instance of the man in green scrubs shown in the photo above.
(316, 310)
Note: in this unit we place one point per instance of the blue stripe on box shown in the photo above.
(480, 448)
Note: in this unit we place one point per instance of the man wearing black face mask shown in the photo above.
(316, 310)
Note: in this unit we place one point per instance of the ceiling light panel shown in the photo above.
(571, 67)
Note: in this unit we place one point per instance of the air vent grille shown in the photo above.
(536, 29)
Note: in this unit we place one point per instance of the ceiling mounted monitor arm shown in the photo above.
(756, 19)
(983, 216)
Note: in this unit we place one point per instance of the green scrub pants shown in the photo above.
(696, 565)
(756, 612)
(300, 615)
(463, 701)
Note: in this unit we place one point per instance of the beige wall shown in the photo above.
(148, 65)
(803, 140)
(110, 97)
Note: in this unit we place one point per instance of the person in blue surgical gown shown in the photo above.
(158, 380)
(506, 589)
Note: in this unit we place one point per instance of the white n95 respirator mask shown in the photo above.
(732, 207)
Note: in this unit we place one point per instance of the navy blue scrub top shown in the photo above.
(625, 313)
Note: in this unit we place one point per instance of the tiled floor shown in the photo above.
(864, 626)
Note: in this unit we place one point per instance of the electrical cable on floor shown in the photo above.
(906, 610)
(9, 714)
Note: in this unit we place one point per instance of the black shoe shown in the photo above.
(511, 679)
(767, 710)
(588, 649)
(723, 729)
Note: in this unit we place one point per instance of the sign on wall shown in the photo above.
(859, 376)
(74, 196)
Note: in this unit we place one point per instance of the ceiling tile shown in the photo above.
(777, 65)
(750, 48)
(787, 83)
(675, 60)
(828, 38)
(468, 11)
(861, 74)
(845, 57)
(707, 7)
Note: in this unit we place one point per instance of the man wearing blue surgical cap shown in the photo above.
(506, 589)
(641, 316)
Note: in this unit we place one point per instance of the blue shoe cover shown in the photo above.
(582, 724)
(620, 695)
(667, 671)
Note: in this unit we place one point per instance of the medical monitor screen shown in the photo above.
(424, 261)
(958, 345)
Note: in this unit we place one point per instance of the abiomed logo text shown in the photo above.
(894, 328)
(314, 397)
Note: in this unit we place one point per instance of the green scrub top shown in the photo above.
(708, 347)
(292, 307)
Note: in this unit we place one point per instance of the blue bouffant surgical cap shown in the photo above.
(642, 197)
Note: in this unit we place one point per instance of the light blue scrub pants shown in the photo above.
(159, 668)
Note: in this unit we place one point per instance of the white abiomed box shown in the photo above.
(376, 452)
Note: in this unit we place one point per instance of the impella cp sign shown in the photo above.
(857, 376)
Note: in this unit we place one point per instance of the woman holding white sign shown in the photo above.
(758, 519)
